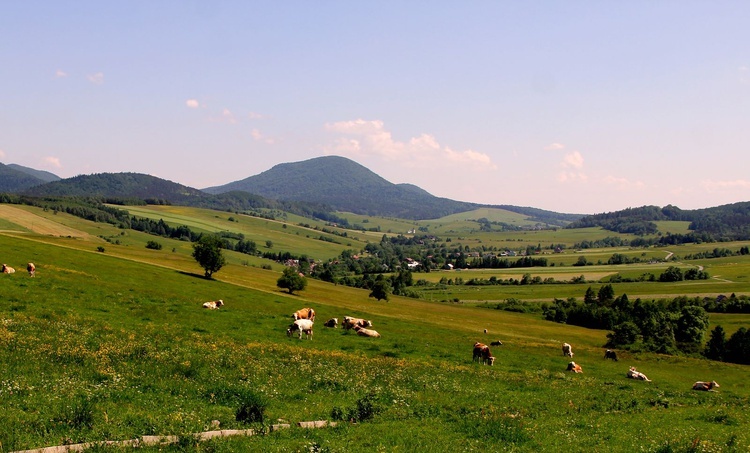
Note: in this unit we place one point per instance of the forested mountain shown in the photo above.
(44, 176)
(346, 186)
(727, 222)
(14, 178)
(119, 185)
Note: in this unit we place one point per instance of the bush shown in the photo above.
(252, 408)
(153, 245)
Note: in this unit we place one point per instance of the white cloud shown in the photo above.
(574, 159)
(226, 117)
(554, 147)
(572, 176)
(52, 162)
(258, 136)
(371, 139)
(722, 186)
(623, 183)
(96, 79)
(2, 154)
(60, 73)
(192, 103)
(255, 116)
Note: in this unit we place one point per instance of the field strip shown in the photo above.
(37, 224)
(147, 441)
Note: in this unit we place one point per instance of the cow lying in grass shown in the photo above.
(361, 331)
(300, 326)
(350, 323)
(333, 323)
(705, 386)
(483, 354)
(214, 304)
(635, 374)
(7, 269)
(574, 367)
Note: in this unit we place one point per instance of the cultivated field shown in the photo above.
(113, 345)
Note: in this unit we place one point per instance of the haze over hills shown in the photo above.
(320, 186)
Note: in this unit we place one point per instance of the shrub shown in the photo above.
(153, 245)
(252, 408)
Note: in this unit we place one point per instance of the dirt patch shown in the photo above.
(37, 224)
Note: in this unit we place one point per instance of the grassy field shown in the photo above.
(114, 345)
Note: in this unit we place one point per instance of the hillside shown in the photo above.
(346, 186)
(45, 176)
(14, 178)
(727, 222)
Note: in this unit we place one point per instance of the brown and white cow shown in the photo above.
(7, 269)
(304, 313)
(333, 323)
(483, 354)
(705, 386)
(574, 367)
(300, 326)
(350, 323)
(214, 304)
(635, 374)
(361, 331)
(567, 350)
(31, 268)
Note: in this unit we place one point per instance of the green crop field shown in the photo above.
(109, 342)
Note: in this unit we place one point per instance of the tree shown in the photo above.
(207, 252)
(590, 296)
(380, 289)
(606, 295)
(291, 280)
(717, 345)
(623, 334)
(738, 347)
(690, 328)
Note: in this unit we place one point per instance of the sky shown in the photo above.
(570, 106)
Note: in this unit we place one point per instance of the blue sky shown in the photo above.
(570, 106)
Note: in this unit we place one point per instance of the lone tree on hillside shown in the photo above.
(291, 280)
(207, 252)
(381, 288)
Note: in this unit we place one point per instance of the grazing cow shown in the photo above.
(574, 367)
(301, 325)
(482, 354)
(705, 386)
(610, 354)
(366, 332)
(496, 343)
(214, 304)
(635, 374)
(350, 323)
(31, 268)
(567, 350)
(7, 269)
(304, 313)
(333, 322)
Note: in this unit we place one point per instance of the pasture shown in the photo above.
(114, 345)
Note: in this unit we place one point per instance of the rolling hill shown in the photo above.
(345, 186)
(15, 178)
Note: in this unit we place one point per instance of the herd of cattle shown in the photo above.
(29, 267)
(305, 318)
(482, 354)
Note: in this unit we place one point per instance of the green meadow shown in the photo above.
(109, 342)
